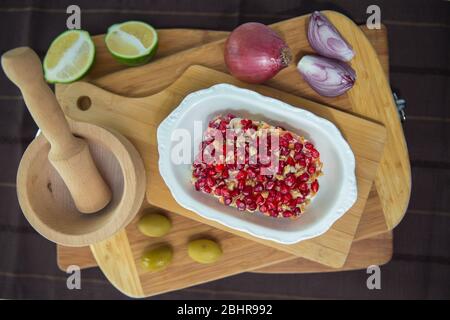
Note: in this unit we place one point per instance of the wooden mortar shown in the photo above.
(65, 172)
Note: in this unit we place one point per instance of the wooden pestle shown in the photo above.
(69, 155)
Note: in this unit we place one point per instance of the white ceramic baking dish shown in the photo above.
(338, 191)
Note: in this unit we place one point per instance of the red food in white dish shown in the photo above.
(242, 181)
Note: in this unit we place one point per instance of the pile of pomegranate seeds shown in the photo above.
(239, 179)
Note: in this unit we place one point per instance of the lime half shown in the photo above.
(69, 57)
(132, 43)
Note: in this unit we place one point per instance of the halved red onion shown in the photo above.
(326, 39)
(328, 77)
(255, 53)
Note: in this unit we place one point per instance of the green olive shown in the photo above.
(157, 259)
(204, 251)
(154, 225)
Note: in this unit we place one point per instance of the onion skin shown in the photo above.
(328, 77)
(255, 53)
(326, 39)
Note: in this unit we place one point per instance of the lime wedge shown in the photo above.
(69, 57)
(132, 43)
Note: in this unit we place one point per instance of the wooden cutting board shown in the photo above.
(371, 98)
(137, 119)
(376, 250)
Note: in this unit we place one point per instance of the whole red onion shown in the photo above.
(255, 53)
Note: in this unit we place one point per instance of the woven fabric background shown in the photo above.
(419, 34)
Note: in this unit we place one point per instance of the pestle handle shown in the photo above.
(69, 155)
(23, 68)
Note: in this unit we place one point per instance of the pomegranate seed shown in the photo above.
(225, 174)
(270, 185)
(249, 200)
(210, 182)
(273, 213)
(290, 180)
(303, 177)
(311, 169)
(278, 197)
(284, 151)
(298, 156)
(288, 136)
(298, 146)
(218, 191)
(240, 204)
(241, 174)
(260, 178)
(308, 160)
(300, 200)
(226, 193)
(252, 206)
(259, 199)
(227, 201)
(241, 184)
(283, 143)
(290, 161)
(309, 145)
(223, 125)
(287, 198)
(230, 116)
(220, 167)
(284, 189)
(297, 211)
(263, 208)
(270, 205)
(303, 186)
(315, 154)
(197, 186)
(259, 188)
(302, 163)
(201, 182)
(207, 189)
(288, 214)
(247, 191)
(315, 186)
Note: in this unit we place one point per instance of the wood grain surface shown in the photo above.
(170, 41)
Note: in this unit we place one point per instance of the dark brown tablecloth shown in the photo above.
(419, 33)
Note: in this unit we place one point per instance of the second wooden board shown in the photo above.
(138, 118)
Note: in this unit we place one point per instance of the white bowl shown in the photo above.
(337, 191)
